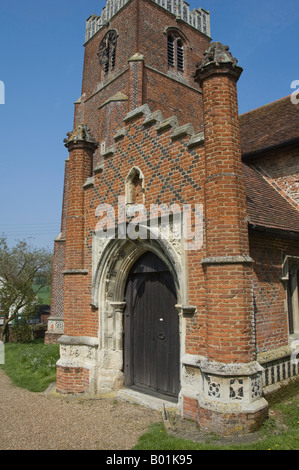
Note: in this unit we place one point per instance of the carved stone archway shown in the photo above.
(113, 260)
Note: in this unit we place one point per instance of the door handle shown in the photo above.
(161, 336)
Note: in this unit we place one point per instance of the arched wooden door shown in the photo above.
(151, 329)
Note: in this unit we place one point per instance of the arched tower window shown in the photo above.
(107, 51)
(175, 51)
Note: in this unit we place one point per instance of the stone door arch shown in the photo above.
(113, 260)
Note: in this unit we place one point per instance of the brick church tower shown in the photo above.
(149, 307)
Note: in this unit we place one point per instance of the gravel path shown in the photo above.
(40, 421)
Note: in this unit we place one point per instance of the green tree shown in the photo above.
(20, 267)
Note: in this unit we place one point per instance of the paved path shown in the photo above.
(39, 421)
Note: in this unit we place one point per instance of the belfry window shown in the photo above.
(180, 55)
(175, 52)
(107, 51)
(170, 50)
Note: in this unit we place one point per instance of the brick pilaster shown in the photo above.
(135, 85)
(55, 321)
(227, 263)
(81, 147)
(230, 371)
(231, 368)
(75, 376)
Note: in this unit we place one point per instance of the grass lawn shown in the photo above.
(279, 432)
(32, 366)
(158, 439)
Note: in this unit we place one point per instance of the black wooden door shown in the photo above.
(151, 328)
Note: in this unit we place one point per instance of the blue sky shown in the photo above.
(41, 53)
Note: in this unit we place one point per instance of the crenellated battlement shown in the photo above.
(198, 18)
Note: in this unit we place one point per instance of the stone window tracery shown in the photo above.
(236, 389)
(107, 51)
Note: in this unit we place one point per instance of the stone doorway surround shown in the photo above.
(112, 262)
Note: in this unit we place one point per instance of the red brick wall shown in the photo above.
(230, 313)
(142, 29)
(225, 189)
(126, 27)
(229, 306)
(190, 408)
(80, 319)
(153, 23)
(72, 380)
(110, 120)
(80, 167)
(231, 423)
(173, 98)
(270, 294)
(57, 287)
(172, 174)
(283, 168)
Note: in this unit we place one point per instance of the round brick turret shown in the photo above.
(227, 264)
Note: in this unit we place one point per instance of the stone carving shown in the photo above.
(213, 387)
(233, 390)
(256, 387)
(236, 390)
(75, 353)
(216, 56)
(55, 326)
(217, 53)
(81, 133)
(189, 376)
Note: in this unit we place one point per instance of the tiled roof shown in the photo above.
(269, 126)
(266, 207)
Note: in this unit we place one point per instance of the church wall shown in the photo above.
(170, 91)
(282, 166)
(173, 173)
(55, 322)
(154, 22)
(174, 98)
(270, 294)
(222, 325)
(125, 27)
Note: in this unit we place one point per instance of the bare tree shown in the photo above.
(20, 267)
